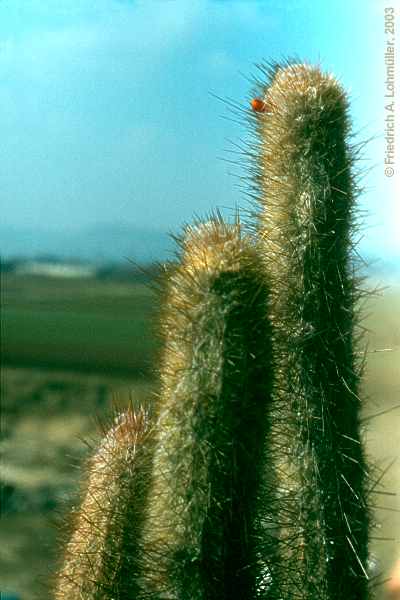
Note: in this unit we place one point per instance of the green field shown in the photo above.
(74, 348)
(79, 324)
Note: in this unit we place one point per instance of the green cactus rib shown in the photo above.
(101, 559)
(305, 188)
(212, 421)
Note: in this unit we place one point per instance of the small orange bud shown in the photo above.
(258, 105)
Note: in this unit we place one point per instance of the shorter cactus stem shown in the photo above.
(101, 558)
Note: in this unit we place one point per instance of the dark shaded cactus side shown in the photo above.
(212, 423)
(305, 186)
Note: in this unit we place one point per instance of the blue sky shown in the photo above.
(106, 114)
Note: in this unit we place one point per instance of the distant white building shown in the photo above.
(50, 269)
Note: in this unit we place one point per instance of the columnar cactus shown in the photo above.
(306, 191)
(102, 559)
(251, 481)
(212, 424)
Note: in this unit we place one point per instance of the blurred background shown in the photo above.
(116, 129)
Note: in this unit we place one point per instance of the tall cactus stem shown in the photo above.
(305, 186)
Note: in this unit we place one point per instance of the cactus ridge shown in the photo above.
(212, 419)
(305, 191)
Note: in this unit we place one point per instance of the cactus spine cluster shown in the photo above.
(253, 484)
